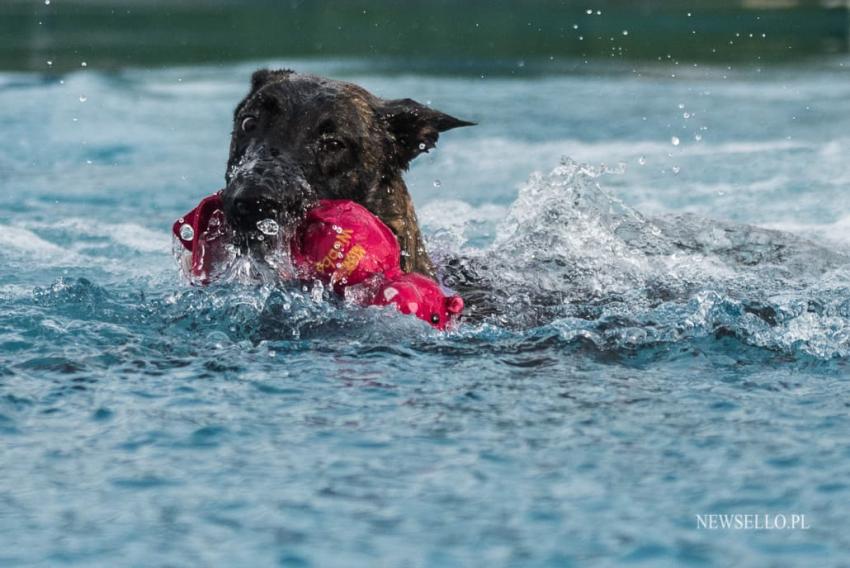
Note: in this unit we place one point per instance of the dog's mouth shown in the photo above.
(265, 198)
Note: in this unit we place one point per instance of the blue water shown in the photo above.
(651, 364)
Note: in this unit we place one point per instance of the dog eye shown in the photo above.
(331, 145)
(249, 123)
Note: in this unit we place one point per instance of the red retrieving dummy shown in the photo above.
(342, 244)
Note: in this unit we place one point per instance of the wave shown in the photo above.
(566, 259)
(23, 242)
(571, 255)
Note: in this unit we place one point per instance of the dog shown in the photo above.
(299, 138)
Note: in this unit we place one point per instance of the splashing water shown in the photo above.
(268, 227)
(570, 255)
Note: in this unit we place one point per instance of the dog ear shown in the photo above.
(259, 79)
(415, 127)
(262, 77)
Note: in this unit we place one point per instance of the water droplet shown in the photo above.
(49, 63)
(698, 137)
(438, 183)
(421, 146)
(674, 140)
(625, 32)
(47, 2)
(83, 98)
(676, 170)
(187, 233)
(642, 161)
(575, 26)
(589, 12)
(686, 115)
(268, 227)
(681, 106)
(84, 64)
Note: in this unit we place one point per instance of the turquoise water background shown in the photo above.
(661, 360)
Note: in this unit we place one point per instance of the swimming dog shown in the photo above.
(300, 138)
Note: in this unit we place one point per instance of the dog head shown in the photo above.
(299, 138)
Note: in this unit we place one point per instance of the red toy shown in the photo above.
(204, 232)
(422, 297)
(340, 243)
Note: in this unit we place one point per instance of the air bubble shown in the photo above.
(642, 161)
(438, 184)
(187, 233)
(268, 227)
(675, 140)
(83, 98)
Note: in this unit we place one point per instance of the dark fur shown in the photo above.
(298, 138)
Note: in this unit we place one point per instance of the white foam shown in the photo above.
(837, 232)
(24, 241)
(130, 235)
(14, 291)
(453, 214)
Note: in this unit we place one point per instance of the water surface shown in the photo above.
(657, 364)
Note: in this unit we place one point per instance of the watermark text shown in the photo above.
(752, 522)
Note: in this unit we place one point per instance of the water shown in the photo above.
(649, 364)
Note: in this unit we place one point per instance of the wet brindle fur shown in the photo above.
(298, 138)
